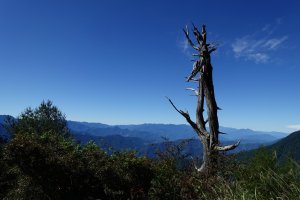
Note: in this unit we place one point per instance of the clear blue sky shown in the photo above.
(115, 61)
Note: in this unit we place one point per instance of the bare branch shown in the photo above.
(197, 34)
(212, 50)
(174, 105)
(192, 79)
(192, 89)
(204, 34)
(195, 165)
(227, 147)
(196, 69)
(186, 32)
(188, 119)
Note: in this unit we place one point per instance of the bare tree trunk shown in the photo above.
(205, 93)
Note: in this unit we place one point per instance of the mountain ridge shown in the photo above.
(152, 132)
(288, 146)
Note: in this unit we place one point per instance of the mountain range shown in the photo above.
(157, 132)
(147, 138)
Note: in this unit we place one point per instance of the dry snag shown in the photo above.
(202, 75)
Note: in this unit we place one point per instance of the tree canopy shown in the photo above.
(45, 118)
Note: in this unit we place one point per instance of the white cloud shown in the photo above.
(239, 46)
(259, 57)
(295, 126)
(259, 45)
(185, 45)
(273, 43)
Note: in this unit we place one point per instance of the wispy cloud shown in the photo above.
(273, 43)
(184, 46)
(295, 126)
(259, 45)
(258, 57)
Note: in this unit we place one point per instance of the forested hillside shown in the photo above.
(288, 146)
(43, 161)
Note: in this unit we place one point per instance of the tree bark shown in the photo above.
(205, 93)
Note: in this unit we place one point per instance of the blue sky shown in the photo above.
(115, 61)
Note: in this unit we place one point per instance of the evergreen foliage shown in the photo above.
(45, 118)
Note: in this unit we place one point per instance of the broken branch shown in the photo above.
(227, 147)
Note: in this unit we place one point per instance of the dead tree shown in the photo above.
(202, 75)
